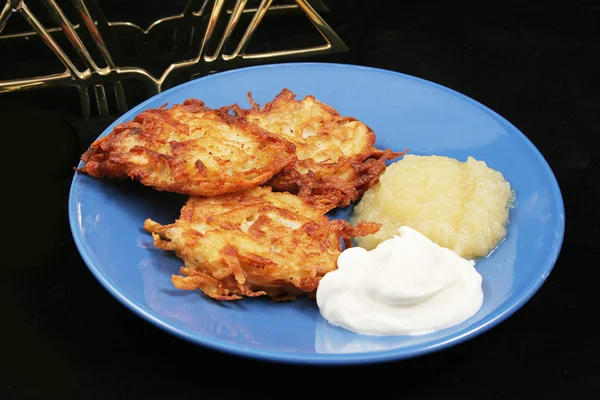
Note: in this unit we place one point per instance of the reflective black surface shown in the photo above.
(63, 336)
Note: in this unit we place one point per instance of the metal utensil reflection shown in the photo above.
(194, 28)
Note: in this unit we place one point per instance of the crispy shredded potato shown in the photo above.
(189, 149)
(337, 158)
(254, 242)
(260, 182)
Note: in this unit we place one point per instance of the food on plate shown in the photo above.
(254, 242)
(261, 181)
(463, 206)
(337, 157)
(189, 149)
(407, 285)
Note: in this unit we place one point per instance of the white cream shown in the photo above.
(407, 285)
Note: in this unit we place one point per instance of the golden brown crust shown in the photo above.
(254, 242)
(189, 149)
(337, 158)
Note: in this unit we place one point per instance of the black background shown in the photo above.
(64, 336)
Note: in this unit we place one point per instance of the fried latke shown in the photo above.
(337, 158)
(254, 242)
(189, 149)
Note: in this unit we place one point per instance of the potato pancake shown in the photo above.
(254, 242)
(337, 158)
(189, 149)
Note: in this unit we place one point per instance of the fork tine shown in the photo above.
(190, 44)
(84, 99)
(178, 40)
(101, 100)
(120, 97)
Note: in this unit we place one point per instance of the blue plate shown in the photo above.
(107, 216)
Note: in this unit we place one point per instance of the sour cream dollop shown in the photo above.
(407, 285)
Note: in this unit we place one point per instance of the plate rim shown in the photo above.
(327, 359)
